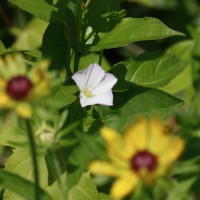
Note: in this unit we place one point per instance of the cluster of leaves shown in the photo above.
(74, 34)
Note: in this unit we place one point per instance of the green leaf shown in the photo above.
(136, 102)
(184, 80)
(153, 69)
(41, 9)
(133, 30)
(102, 196)
(101, 19)
(21, 186)
(65, 96)
(2, 48)
(84, 190)
(56, 46)
(181, 189)
(20, 162)
(31, 37)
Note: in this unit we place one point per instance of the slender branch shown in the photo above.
(78, 33)
(100, 57)
(87, 3)
(56, 169)
(34, 159)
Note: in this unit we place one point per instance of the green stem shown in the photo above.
(56, 169)
(100, 57)
(78, 34)
(34, 158)
(87, 3)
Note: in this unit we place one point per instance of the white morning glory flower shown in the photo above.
(95, 85)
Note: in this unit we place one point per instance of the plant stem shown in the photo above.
(56, 169)
(100, 57)
(87, 3)
(34, 158)
(78, 34)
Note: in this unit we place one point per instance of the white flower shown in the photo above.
(95, 85)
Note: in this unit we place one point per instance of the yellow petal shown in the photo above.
(171, 153)
(40, 71)
(110, 136)
(11, 65)
(104, 168)
(137, 135)
(4, 100)
(124, 185)
(159, 137)
(24, 110)
(2, 83)
(19, 61)
(117, 150)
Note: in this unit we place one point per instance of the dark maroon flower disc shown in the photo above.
(19, 87)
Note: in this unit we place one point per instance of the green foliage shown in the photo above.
(65, 96)
(2, 48)
(133, 30)
(132, 105)
(58, 51)
(21, 186)
(41, 9)
(150, 69)
(30, 37)
(85, 189)
(154, 78)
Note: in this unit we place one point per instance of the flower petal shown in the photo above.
(80, 80)
(104, 168)
(4, 100)
(24, 110)
(159, 137)
(172, 152)
(89, 77)
(103, 99)
(118, 152)
(124, 185)
(106, 84)
(94, 74)
(2, 83)
(137, 134)
(85, 101)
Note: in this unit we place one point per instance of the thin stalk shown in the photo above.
(78, 34)
(56, 169)
(87, 3)
(34, 159)
(100, 57)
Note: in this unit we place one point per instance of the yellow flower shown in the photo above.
(143, 154)
(20, 84)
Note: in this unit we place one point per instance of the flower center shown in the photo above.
(87, 92)
(143, 160)
(19, 87)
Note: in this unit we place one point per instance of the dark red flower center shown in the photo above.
(19, 87)
(143, 160)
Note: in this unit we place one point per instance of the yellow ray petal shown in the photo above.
(159, 137)
(171, 153)
(2, 83)
(4, 100)
(24, 110)
(19, 61)
(124, 185)
(104, 168)
(11, 66)
(137, 135)
(117, 150)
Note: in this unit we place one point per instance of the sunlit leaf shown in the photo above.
(133, 30)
